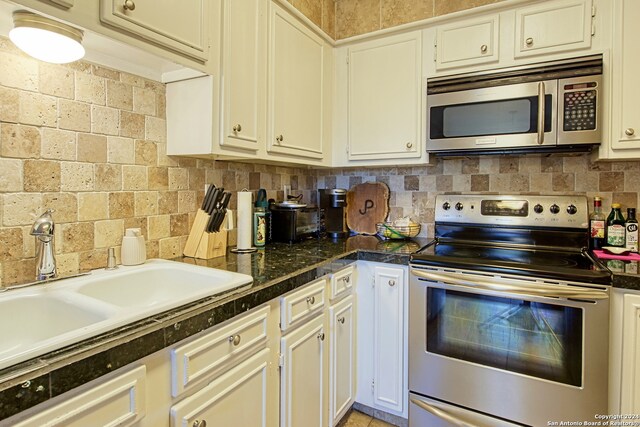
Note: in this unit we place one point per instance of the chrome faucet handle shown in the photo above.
(43, 225)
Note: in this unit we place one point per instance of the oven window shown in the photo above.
(531, 338)
(509, 116)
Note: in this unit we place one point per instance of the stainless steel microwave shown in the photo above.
(547, 107)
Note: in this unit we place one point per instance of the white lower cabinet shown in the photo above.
(630, 386)
(342, 358)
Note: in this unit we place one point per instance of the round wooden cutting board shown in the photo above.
(367, 205)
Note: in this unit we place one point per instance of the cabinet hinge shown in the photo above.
(373, 387)
(347, 59)
(280, 360)
(435, 49)
(593, 21)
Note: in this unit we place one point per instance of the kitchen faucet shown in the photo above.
(43, 229)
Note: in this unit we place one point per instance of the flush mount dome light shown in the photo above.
(46, 39)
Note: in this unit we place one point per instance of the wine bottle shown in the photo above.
(596, 225)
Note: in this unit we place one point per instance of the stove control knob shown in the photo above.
(571, 210)
(554, 209)
(446, 206)
(538, 208)
(459, 206)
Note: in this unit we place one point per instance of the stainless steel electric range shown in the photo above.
(509, 315)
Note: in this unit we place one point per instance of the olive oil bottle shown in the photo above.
(615, 227)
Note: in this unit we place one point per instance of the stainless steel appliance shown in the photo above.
(548, 107)
(509, 315)
(333, 203)
(292, 222)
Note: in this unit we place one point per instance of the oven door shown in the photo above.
(521, 350)
(518, 115)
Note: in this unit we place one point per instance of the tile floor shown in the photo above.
(358, 419)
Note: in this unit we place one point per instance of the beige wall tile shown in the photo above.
(146, 153)
(357, 17)
(93, 206)
(121, 205)
(119, 95)
(108, 177)
(131, 125)
(443, 7)
(167, 202)
(187, 201)
(19, 72)
(58, 144)
(38, 110)
(159, 227)
(19, 141)
(9, 105)
(56, 80)
(397, 12)
(134, 178)
(90, 88)
(67, 263)
(170, 248)
(146, 203)
(64, 205)
(179, 225)
(144, 101)
(156, 129)
(15, 272)
(92, 148)
(74, 115)
(179, 179)
(10, 176)
(132, 80)
(161, 105)
(163, 159)
(11, 244)
(105, 120)
(41, 176)
(120, 150)
(108, 233)
(21, 209)
(77, 176)
(105, 72)
(90, 260)
(158, 178)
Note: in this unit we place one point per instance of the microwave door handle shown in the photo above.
(515, 287)
(541, 112)
(442, 414)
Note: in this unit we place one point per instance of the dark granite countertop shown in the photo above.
(626, 274)
(277, 269)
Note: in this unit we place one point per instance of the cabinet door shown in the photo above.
(625, 122)
(551, 27)
(243, 72)
(179, 25)
(303, 384)
(342, 359)
(384, 119)
(388, 340)
(630, 390)
(296, 63)
(243, 396)
(470, 42)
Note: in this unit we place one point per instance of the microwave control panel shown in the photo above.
(580, 102)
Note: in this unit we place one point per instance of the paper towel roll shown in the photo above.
(244, 220)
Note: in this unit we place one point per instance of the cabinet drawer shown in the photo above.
(341, 283)
(301, 304)
(208, 354)
(120, 401)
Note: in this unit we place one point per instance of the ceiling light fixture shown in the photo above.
(46, 39)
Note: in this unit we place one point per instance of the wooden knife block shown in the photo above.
(203, 245)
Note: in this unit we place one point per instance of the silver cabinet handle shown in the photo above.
(235, 339)
(321, 336)
(529, 41)
(484, 48)
(392, 282)
(541, 92)
(629, 131)
(237, 128)
(279, 139)
(311, 300)
(341, 320)
(199, 423)
(129, 5)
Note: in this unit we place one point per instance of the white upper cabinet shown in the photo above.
(179, 25)
(551, 27)
(243, 73)
(296, 87)
(469, 42)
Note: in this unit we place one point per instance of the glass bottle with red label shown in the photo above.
(597, 223)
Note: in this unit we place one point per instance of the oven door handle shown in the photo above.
(515, 286)
(442, 414)
(541, 112)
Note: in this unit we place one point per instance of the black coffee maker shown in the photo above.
(333, 204)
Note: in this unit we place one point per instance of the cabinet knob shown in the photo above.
(529, 41)
(321, 336)
(341, 320)
(237, 128)
(199, 423)
(235, 339)
(129, 5)
(279, 139)
(346, 279)
(629, 131)
(484, 48)
(392, 282)
(409, 145)
(311, 300)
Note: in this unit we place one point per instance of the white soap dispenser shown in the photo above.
(134, 250)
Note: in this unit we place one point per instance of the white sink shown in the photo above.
(42, 318)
